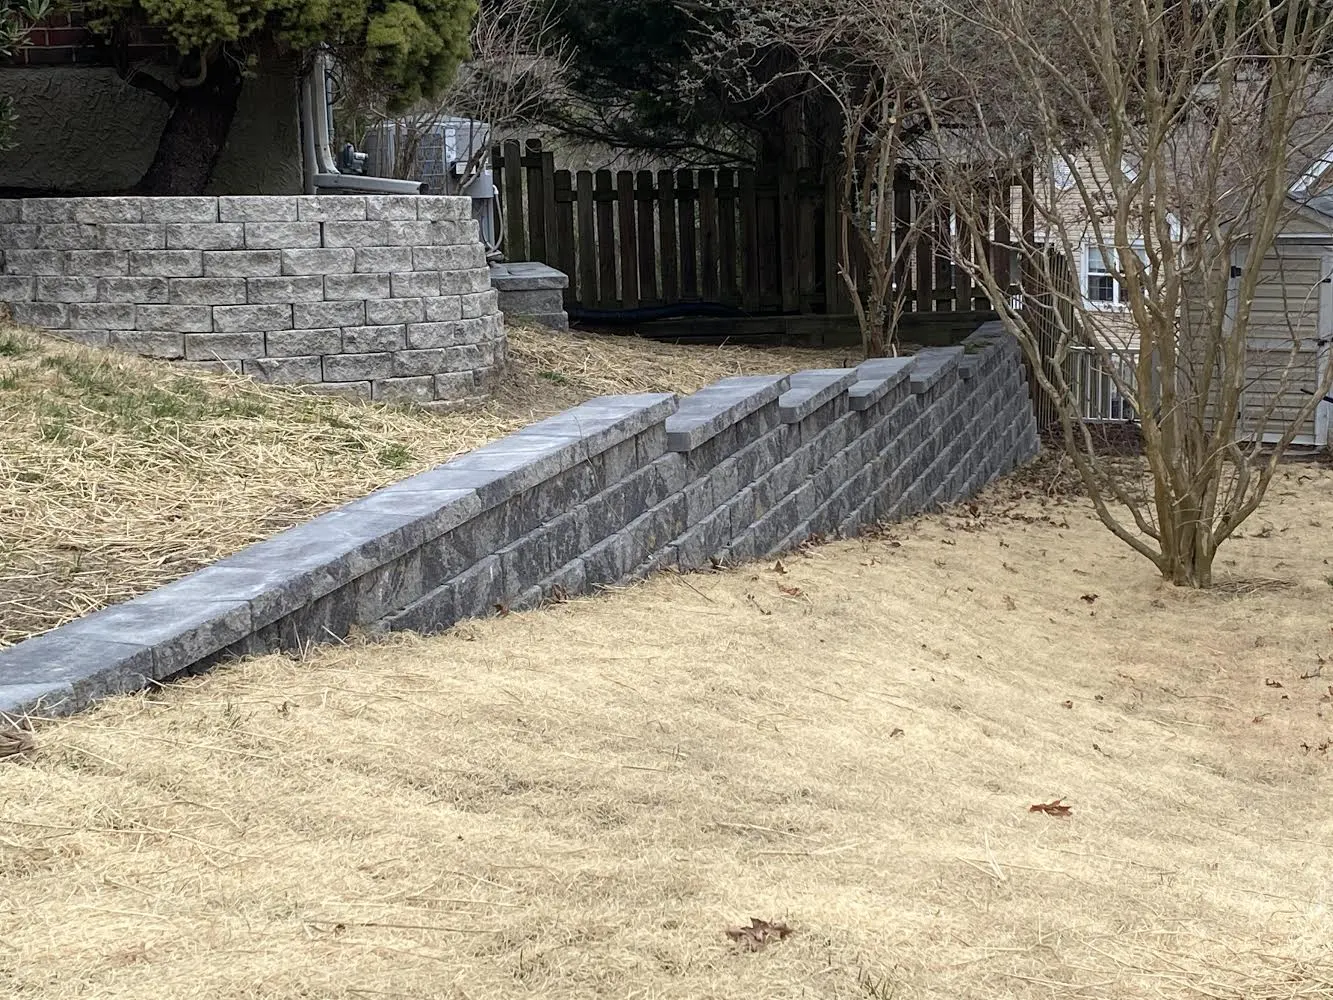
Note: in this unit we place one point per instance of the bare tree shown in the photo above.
(846, 73)
(1176, 129)
(517, 67)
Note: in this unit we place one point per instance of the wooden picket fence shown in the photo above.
(629, 240)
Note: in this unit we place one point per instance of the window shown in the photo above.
(1100, 286)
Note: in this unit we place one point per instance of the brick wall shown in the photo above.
(603, 494)
(383, 297)
(65, 40)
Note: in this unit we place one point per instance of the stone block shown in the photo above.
(356, 286)
(64, 289)
(346, 390)
(107, 210)
(69, 236)
(358, 234)
(358, 367)
(383, 260)
(331, 208)
(430, 614)
(303, 343)
(49, 315)
(370, 339)
(88, 338)
(249, 319)
(206, 291)
(444, 309)
(392, 207)
(424, 362)
(42, 210)
(415, 284)
(69, 671)
(321, 315)
(443, 208)
(182, 319)
(242, 263)
(145, 236)
(286, 371)
(191, 210)
(41, 263)
(811, 391)
(461, 232)
(460, 282)
(419, 389)
(479, 590)
(21, 237)
(427, 335)
(457, 386)
(14, 288)
(451, 258)
(257, 208)
(224, 346)
(706, 542)
(304, 288)
(524, 276)
(476, 304)
(166, 263)
(149, 343)
(281, 235)
(102, 316)
(395, 311)
(321, 260)
(205, 236)
(705, 414)
(146, 291)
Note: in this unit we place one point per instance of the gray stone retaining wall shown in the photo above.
(605, 493)
(385, 297)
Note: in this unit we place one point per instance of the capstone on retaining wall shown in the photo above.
(384, 297)
(605, 493)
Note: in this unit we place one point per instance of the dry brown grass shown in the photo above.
(578, 802)
(119, 474)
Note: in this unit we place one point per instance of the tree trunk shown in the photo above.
(1188, 550)
(194, 136)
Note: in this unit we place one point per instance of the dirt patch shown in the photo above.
(119, 474)
(586, 800)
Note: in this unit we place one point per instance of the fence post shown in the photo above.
(666, 204)
(516, 245)
(629, 242)
(689, 261)
(535, 185)
(726, 213)
(588, 293)
(562, 197)
(605, 196)
(644, 196)
(750, 296)
(708, 262)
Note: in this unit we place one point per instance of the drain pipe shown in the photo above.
(322, 173)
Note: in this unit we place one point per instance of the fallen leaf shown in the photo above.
(1067, 704)
(778, 567)
(762, 609)
(1090, 598)
(790, 591)
(1009, 603)
(1272, 683)
(502, 610)
(896, 732)
(759, 934)
(1055, 808)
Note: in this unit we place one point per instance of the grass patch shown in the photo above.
(119, 474)
(581, 801)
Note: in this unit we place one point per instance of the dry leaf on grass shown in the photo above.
(790, 591)
(1055, 808)
(759, 934)
(778, 567)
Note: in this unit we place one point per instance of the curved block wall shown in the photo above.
(386, 297)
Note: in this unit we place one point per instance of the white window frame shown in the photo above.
(1117, 303)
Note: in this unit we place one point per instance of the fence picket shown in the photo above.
(629, 241)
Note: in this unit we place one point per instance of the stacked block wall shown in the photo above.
(603, 494)
(384, 297)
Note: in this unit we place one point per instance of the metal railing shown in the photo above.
(1090, 375)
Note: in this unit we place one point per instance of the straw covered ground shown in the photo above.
(581, 801)
(119, 474)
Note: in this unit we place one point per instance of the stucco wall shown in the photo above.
(84, 130)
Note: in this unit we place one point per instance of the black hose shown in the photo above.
(646, 314)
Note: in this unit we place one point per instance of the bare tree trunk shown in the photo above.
(194, 137)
